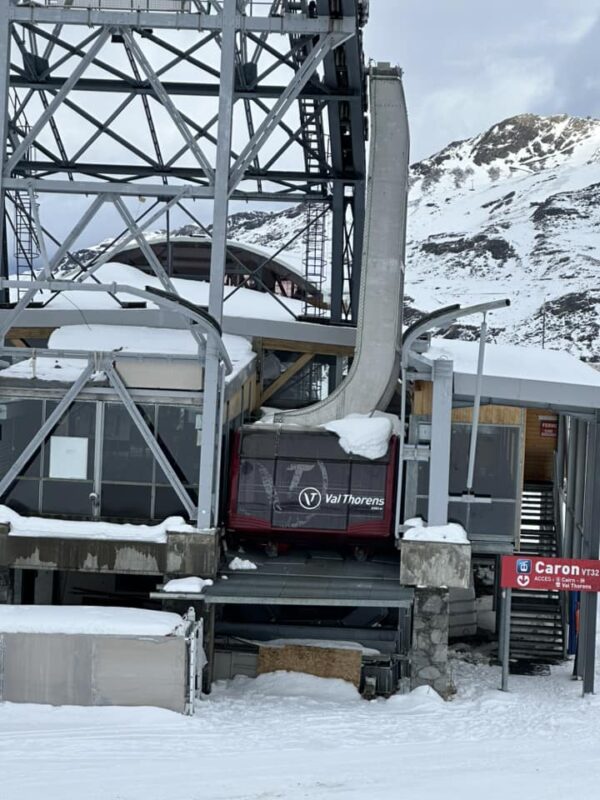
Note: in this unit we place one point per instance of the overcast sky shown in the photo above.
(471, 63)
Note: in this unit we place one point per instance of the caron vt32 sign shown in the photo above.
(546, 574)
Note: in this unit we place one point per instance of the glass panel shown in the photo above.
(309, 495)
(126, 457)
(178, 437)
(311, 446)
(167, 504)
(79, 421)
(255, 490)
(496, 462)
(126, 501)
(256, 444)
(23, 497)
(67, 497)
(20, 420)
(368, 490)
(485, 518)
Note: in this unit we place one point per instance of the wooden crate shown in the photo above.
(324, 662)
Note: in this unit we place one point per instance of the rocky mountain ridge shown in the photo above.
(513, 212)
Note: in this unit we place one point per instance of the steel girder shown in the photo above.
(61, 57)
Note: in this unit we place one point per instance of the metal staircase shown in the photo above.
(537, 618)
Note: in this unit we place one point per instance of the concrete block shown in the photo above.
(435, 564)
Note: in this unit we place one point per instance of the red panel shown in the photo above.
(380, 529)
(550, 574)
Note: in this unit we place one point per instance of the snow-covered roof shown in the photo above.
(520, 374)
(160, 238)
(91, 620)
(243, 302)
(121, 338)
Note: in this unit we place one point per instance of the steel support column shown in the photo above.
(591, 550)
(211, 416)
(570, 497)
(579, 488)
(338, 224)
(4, 114)
(441, 429)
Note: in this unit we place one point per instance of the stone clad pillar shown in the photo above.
(429, 654)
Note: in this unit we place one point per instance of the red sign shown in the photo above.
(548, 428)
(550, 574)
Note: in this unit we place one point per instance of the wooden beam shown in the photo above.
(29, 333)
(277, 384)
(306, 347)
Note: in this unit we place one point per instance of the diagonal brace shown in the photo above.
(50, 110)
(171, 108)
(272, 120)
(150, 439)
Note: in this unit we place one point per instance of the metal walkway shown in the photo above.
(537, 622)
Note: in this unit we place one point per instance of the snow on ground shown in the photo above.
(88, 619)
(298, 738)
(85, 529)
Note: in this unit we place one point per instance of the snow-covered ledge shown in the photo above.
(171, 547)
(435, 557)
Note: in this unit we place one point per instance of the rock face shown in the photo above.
(513, 212)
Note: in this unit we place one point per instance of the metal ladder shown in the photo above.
(312, 134)
(26, 244)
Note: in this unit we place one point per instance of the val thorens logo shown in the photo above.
(310, 498)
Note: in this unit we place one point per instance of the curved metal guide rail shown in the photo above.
(374, 373)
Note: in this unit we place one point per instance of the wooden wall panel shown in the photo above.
(539, 450)
(488, 415)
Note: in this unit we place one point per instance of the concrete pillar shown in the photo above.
(429, 654)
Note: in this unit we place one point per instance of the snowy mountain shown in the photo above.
(513, 212)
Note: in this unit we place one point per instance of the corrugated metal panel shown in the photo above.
(317, 579)
(279, 590)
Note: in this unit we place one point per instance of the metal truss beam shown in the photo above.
(296, 194)
(281, 24)
(325, 45)
(164, 98)
(86, 60)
